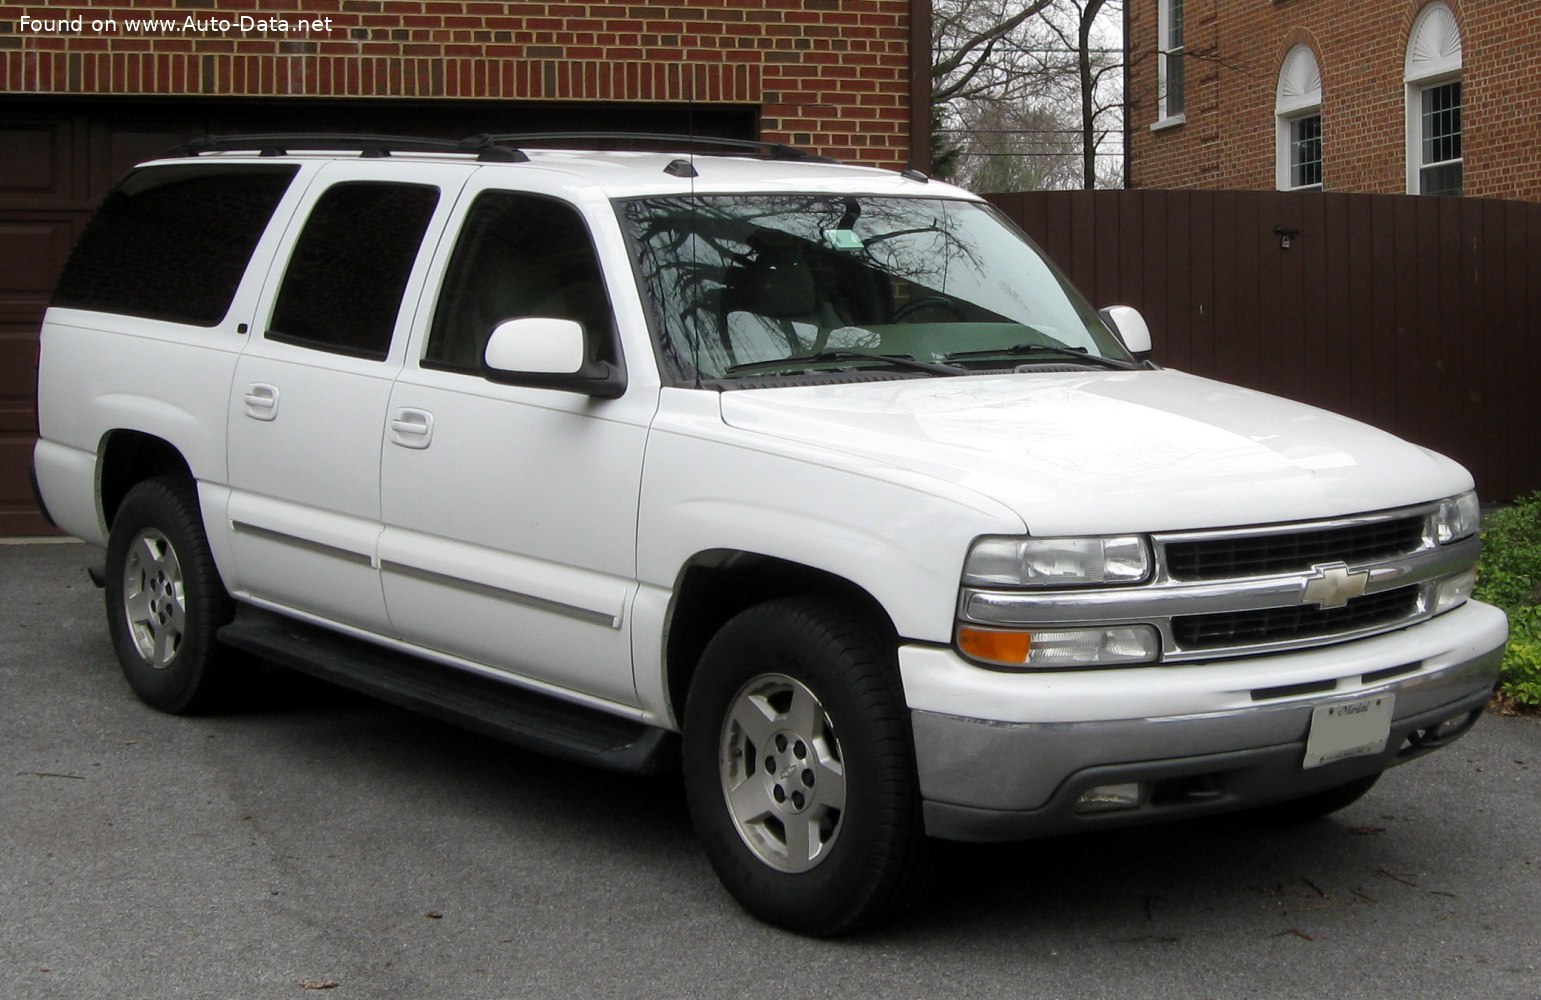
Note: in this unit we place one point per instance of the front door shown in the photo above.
(510, 513)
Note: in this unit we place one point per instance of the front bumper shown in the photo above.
(1007, 756)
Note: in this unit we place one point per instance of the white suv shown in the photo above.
(815, 480)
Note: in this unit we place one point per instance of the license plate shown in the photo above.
(1349, 729)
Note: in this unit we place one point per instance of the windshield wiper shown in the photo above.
(896, 360)
(1049, 350)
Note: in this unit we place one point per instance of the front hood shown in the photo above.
(1103, 452)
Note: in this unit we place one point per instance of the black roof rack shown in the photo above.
(705, 144)
(279, 144)
(493, 148)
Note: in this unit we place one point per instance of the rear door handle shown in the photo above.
(412, 428)
(262, 401)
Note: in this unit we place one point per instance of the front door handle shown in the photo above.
(262, 401)
(412, 428)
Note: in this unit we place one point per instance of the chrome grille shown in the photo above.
(1291, 624)
(1290, 551)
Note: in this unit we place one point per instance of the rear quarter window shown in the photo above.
(171, 243)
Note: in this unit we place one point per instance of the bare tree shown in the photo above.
(976, 48)
(1049, 66)
(1017, 147)
(1095, 67)
(967, 36)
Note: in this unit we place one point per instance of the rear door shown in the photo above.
(308, 405)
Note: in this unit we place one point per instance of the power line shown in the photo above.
(1031, 50)
(1008, 131)
(1067, 153)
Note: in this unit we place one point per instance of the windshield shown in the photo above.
(756, 286)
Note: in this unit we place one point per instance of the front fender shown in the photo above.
(899, 535)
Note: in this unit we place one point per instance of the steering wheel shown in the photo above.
(929, 302)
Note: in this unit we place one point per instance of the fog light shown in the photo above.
(1451, 727)
(1110, 798)
(1444, 732)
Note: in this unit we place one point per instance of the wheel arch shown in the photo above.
(715, 585)
(126, 458)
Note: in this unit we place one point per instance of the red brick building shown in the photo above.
(834, 74)
(1375, 96)
(91, 88)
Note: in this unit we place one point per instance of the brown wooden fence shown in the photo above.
(1419, 315)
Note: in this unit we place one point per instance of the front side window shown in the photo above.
(171, 243)
(518, 256)
(748, 287)
(342, 290)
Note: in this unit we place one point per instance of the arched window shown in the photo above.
(1433, 79)
(1297, 112)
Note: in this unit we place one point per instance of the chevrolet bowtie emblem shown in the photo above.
(1333, 586)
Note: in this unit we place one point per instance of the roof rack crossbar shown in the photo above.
(280, 143)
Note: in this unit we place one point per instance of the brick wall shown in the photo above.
(833, 75)
(1238, 46)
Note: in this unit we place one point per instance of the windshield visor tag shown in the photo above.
(1333, 585)
(843, 239)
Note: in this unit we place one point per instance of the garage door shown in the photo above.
(63, 155)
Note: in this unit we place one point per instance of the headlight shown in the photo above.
(1458, 518)
(1056, 562)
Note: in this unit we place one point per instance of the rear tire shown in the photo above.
(799, 768)
(165, 602)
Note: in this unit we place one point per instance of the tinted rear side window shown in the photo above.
(171, 243)
(343, 287)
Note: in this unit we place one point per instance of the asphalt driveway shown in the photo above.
(323, 842)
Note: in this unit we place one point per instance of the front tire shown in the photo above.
(164, 598)
(799, 769)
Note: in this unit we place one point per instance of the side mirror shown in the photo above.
(545, 353)
(535, 347)
(1127, 322)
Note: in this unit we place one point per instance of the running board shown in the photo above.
(525, 718)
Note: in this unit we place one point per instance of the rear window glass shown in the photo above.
(171, 243)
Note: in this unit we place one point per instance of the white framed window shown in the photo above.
(1298, 122)
(1433, 80)
(1171, 101)
(1439, 153)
